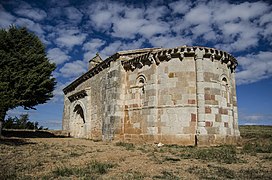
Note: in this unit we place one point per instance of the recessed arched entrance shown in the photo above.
(79, 121)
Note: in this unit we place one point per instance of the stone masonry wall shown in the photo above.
(185, 95)
(216, 101)
(164, 108)
(103, 106)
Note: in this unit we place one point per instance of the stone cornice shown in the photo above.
(157, 56)
(78, 95)
(104, 64)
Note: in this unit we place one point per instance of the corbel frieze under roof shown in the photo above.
(78, 95)
(160, 55)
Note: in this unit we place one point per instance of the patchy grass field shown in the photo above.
(67, 158)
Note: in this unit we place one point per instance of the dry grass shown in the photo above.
(67, 158)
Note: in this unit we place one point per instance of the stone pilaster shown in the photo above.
(201, 130)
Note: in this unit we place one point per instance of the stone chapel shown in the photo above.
(183, 95)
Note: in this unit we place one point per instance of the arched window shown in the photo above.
(224, 81)
(140, 82)
(225, 88)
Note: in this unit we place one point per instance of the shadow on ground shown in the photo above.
(30, 134)
(14, 141)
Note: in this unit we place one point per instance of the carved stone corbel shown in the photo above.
(132, 66)
(156, 59)
(212, 57)
(199, 54)
(168, 57)
(229, 63)
(141, 64)
(151, 59)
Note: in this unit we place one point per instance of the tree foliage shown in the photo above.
(21, 123)
(25, 71)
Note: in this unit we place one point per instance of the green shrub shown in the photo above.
(223, 154)
(172, 159)
(166, 175)
(254, 148)
(257, 132)
(100, 168)
(212, 172)
(128, 146)
(92, 169)
(254, 174)
(136, 175)
(64, 171)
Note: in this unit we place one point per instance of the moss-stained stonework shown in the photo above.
(184, 95)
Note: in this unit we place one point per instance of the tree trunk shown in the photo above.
(3, 112)
(1, 129)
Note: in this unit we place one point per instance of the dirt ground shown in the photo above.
(68, 158)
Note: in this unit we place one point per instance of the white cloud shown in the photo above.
(70, 37)
(57, 56)
(111, 49)
(266, 18)
(31, 25)
(266, 23)
(73, 14)
(149, 30)
(126, 22)
(255, 118)
(199, 14)
(92, 48)
(69, 40)
(93, 44)
(156, 12)
(245, 11)
(103, 14)
(54, 13)
(101, 20)
(25, 10)
(204, 30)
(180, 7)
(58, 93)
(61, 3)
(240, 36)
(127, 28)
(267, 32)
(6, 18)
(254, 67)
(134, 13)
(169, 41)
(135, 44)
(73, 69)
(232, 27)
(121, 46)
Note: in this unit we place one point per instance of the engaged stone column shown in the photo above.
(201, 130)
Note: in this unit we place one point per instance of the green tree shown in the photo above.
(21, 123)
(9, 123)
(25, 71)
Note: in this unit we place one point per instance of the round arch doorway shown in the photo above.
(79, 122)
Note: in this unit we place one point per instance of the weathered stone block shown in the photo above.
(208, 110)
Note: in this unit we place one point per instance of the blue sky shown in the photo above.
(73, 31)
